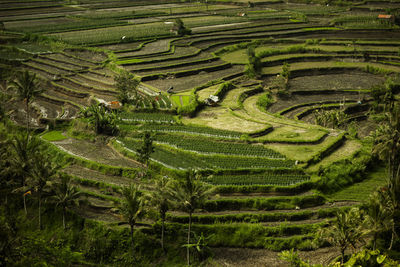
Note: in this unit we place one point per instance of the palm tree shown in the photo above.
(132, 208)
(27, 87)
(104, 122)
(377, 217)
(387, 147)
(345, 231)
(189, 194)
(65, 195)
(160, 200)
(146, 149)
(24, 148)
(43, 171)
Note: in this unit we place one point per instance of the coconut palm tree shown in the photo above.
(43, 171)
(387, 147)
(27, 88)
(377, 217)
(189, 194)
(345, 231)
(160, 199)
(65, 195)
(146, 149)
(132, 208)
(24, 149)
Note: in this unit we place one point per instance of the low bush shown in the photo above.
(344, 173)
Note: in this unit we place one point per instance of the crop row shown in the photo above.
(178, 159)
(148, 117)
(203, 145)
(262, 203)
(189, 129)
(258, 179)
(255, 217)
(67, 26)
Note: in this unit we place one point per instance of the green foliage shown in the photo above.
(343, 173)
(180, 28)
(191, 130)
(82, 24)
(375, 70)
(54, 136)
(180, 159)
(146, 149)
(27, 88)
(207, 146)
(293, 258)
(331, 118)
(126, 84)
(254, 67)
(147, 117)
(103, 121)
(372, 258)
(65, 196)
(188, 195)
(264, 203)
(345, 231)
(265, 100)
(268, 178)
(223, 89)
(193, 106)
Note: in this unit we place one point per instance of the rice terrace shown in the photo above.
(200, 133)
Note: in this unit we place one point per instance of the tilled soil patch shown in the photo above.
(246, 257)
(172, 62)
(193, 66)
(335, 81)
(85, 173)
(303, 99)
(97, 152)
(188, 82)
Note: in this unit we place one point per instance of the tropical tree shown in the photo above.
(180, 28)
(146, 149)
(24, 149)
(387, 148)
(103, 121)
(43, 171)
(345, 231)
(8, 175)
(160, 199)
(65, 195)
(126, 84)
(377, 217)
(132, 208)
(189, 194)
(27, 88)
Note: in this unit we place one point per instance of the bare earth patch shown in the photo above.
(246, 257)
(98, 152)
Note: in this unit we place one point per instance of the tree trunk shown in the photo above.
(132, 241)
(63, 217)
(188, 240)
(26, 212)
(27, 115)
(374, 241)
(342, 252)
(162, 233)
(40, 217)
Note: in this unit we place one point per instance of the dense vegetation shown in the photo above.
(143, 133)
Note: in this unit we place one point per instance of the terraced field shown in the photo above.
(259, 145)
